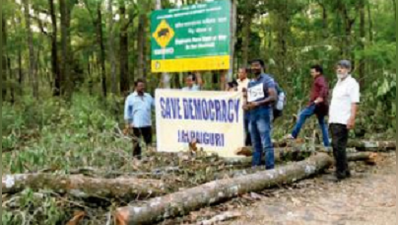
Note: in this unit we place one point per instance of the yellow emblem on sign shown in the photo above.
(163, 34)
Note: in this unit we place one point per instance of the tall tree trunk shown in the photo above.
(111, 45)
(66, 85)
(247, 23)
(11, 78)
(325, 33)
(54, 51)
(362, 34)
(32, 57)
(348, 25)
(283, 19)
(4, 62)
(141, 41)
(123, 51)
(20, 72)
(100, 39)
(165, 82)
(370, 22)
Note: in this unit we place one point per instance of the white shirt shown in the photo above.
(193, 88)
(345, 93)
(242, 84)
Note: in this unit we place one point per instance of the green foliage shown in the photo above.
(43, 207)
(53, 135)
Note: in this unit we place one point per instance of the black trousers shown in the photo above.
(248, 139)
(339, 143)
(138, 133)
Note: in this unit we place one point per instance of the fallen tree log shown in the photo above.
(373, 146)
(297, 153)
(367, 157)
(183, 202)
(360, 145)
(84, 187)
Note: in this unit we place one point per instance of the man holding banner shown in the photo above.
(261, 95)
(193, 82)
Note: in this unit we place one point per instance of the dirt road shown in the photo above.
(369, 197)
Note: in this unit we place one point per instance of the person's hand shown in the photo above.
(318, 100)
(254, 105)
(250, 106)
(127, 128)
(351, 124)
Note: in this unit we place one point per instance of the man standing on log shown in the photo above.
(261, 95)
(137, 114)
(318, 105)
(343, 110)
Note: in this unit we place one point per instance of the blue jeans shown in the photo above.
(304, 115)
(260, 132)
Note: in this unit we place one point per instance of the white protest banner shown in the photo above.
(214, 119)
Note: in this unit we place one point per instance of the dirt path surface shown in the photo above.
(369, 197)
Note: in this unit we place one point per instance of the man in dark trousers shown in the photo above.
(261, 96)
(318, 105)
(342, 114)
(137, 114)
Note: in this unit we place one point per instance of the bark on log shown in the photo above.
(373, 146)
(368, 157)
(181, 203)
(84, 187)
(298, 153)
(360, 145)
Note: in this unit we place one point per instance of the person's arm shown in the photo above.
(355, 99)
(322, 85)
(199, 80)
(272, 97)
(351, 121)
(128, 113)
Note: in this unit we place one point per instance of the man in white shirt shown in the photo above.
(343, 110)
(243, 81)
(190, 84)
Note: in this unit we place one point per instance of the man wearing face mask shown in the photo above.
(261, 95)
(343, 110)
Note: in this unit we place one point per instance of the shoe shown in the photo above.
(344, 175)
(289, 137)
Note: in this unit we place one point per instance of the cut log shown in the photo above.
(283, 152)
(84, 187)
(373, 146)
(298, 153)
(183, 202)
(360, 145)
(368, 157)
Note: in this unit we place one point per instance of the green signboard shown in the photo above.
(191, 38)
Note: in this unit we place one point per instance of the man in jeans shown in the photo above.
(343, 110)
(261, 95)
(318, 105)
(137, 114)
